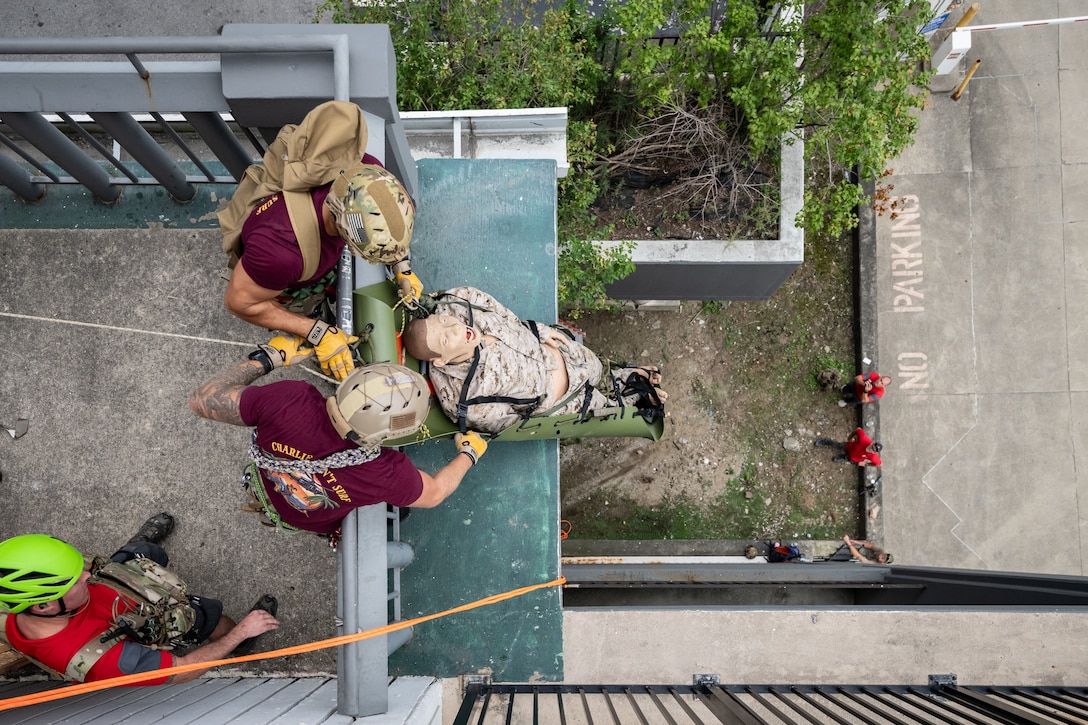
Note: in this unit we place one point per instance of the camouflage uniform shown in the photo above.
(516, 366)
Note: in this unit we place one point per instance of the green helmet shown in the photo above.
(373, 213)
(35, 568)
(379, 401)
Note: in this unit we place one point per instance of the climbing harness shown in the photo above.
(313, 300)
(340, 459)
(260, 460)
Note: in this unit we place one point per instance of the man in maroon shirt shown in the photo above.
(316, 457)
(368, 209)
(859, 449)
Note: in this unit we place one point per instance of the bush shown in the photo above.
(853, 95)
(854, 92)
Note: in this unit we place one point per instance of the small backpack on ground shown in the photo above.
(780, 553)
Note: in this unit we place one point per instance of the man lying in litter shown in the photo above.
(490, 370)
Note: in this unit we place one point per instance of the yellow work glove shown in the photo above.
(290, 349)
(471, 444)
(280, 351)
(331, 346)
(409, 285)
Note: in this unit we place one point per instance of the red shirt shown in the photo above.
(855, 450)
(96, 619)
(293, 423)
(877, 390)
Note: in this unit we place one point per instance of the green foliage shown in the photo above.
(827, 361)
(511, 54)
(585, 268)
(854, 92)
(482, 54)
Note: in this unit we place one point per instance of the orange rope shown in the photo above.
(84, 687)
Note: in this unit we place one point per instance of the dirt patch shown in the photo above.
(737, 459)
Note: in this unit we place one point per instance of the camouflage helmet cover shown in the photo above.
(34, 569)
(379, 401)
(373, 213)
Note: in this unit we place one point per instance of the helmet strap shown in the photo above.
(338, 421)
(64, 611)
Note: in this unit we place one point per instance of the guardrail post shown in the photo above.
(18, 180)
(147, 152)
(66, 154)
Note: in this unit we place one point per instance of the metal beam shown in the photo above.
(66, 154)
(18, 180)
(147, 152)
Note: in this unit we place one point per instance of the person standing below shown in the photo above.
(79, 623)
(859, 449)
(866, 552)
(866, 388)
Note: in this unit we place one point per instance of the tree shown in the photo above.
(844, 73)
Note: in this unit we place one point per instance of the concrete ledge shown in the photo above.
(743, 269)
(822, 646)
(865, 334)
(522, 133)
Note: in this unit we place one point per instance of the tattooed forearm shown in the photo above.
(218, 399)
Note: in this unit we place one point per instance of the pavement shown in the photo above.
(982, 310)
(985, 429)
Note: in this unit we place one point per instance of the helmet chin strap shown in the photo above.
(64, 611)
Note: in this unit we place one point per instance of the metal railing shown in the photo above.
(49, 82)
(143, 109)
(941, 702)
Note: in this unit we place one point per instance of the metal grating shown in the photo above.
(771, 704)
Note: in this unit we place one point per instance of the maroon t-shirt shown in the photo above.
(270, 253)
(292, 423)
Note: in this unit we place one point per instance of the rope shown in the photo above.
(340, 459)
(85, 687)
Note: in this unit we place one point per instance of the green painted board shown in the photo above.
(489, 224)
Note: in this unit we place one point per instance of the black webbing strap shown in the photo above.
(464, 401)
(585, 402)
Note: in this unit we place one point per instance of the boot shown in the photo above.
(268, 603)
(155, 529)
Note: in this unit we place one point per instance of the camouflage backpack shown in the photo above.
(159, 614)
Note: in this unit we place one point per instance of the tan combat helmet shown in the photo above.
(378, 402)
(373, 213)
